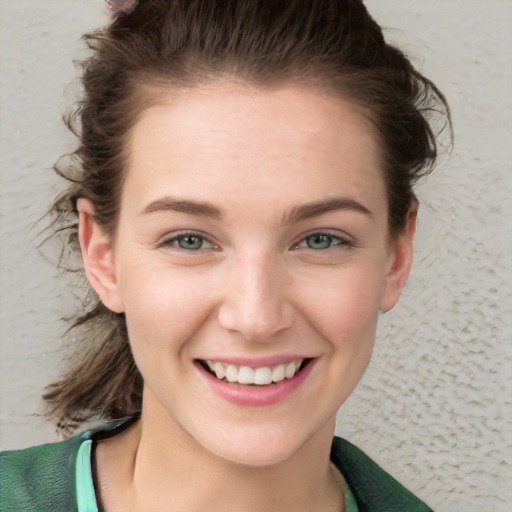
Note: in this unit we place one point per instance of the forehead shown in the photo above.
(228, 138)
(219, 106)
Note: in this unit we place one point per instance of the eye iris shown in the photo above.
(190, 242)
(319, 241)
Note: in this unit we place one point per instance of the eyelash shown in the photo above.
(333, 241)
(174, 241)
(305, 243)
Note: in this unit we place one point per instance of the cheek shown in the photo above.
(343, 307)
(162, 308)
(344, 312)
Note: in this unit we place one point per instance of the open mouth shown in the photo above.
(261, 376)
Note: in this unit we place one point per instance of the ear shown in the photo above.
(98, 257)
(400, 262)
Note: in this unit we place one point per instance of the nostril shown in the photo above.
(255, 302)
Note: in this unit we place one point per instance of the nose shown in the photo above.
(256, 300)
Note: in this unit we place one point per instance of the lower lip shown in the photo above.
(256, 395)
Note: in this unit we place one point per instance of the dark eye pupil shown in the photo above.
(319, 241)
(190, 242)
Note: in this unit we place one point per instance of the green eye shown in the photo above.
(190, 242)
(319, 241)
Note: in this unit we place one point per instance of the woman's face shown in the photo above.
(251, 259)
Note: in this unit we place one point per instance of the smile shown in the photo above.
(261, 376)
(265, 385)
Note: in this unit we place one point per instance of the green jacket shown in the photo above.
(42, 478)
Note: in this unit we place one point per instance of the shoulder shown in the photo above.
(40, 478)
(373, 488)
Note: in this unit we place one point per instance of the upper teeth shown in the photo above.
(259, 376)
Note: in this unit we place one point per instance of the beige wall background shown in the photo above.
(435, 406)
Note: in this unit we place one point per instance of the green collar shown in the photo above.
(374, 489)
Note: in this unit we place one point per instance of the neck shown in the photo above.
(163, 464)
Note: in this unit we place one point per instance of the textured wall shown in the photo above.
(435, 406)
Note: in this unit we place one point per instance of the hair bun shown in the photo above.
(121, 7)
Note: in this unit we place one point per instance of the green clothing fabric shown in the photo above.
(85, 493)
(42, 478)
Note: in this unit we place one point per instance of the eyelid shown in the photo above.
(170, 241)
(346, 240)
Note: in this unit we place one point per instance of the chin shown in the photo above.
(265, 446)
(257, 455)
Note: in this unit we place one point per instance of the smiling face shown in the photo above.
(251, 259)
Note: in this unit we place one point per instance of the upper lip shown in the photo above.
(256, 362)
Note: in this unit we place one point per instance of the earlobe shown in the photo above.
(97, 254)
(400, 263)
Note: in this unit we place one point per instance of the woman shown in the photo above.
(242, 198)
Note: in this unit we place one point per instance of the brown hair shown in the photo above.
(328, 44)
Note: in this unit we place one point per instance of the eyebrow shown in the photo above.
(299, 213)
(318, 208)
(170, 204)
